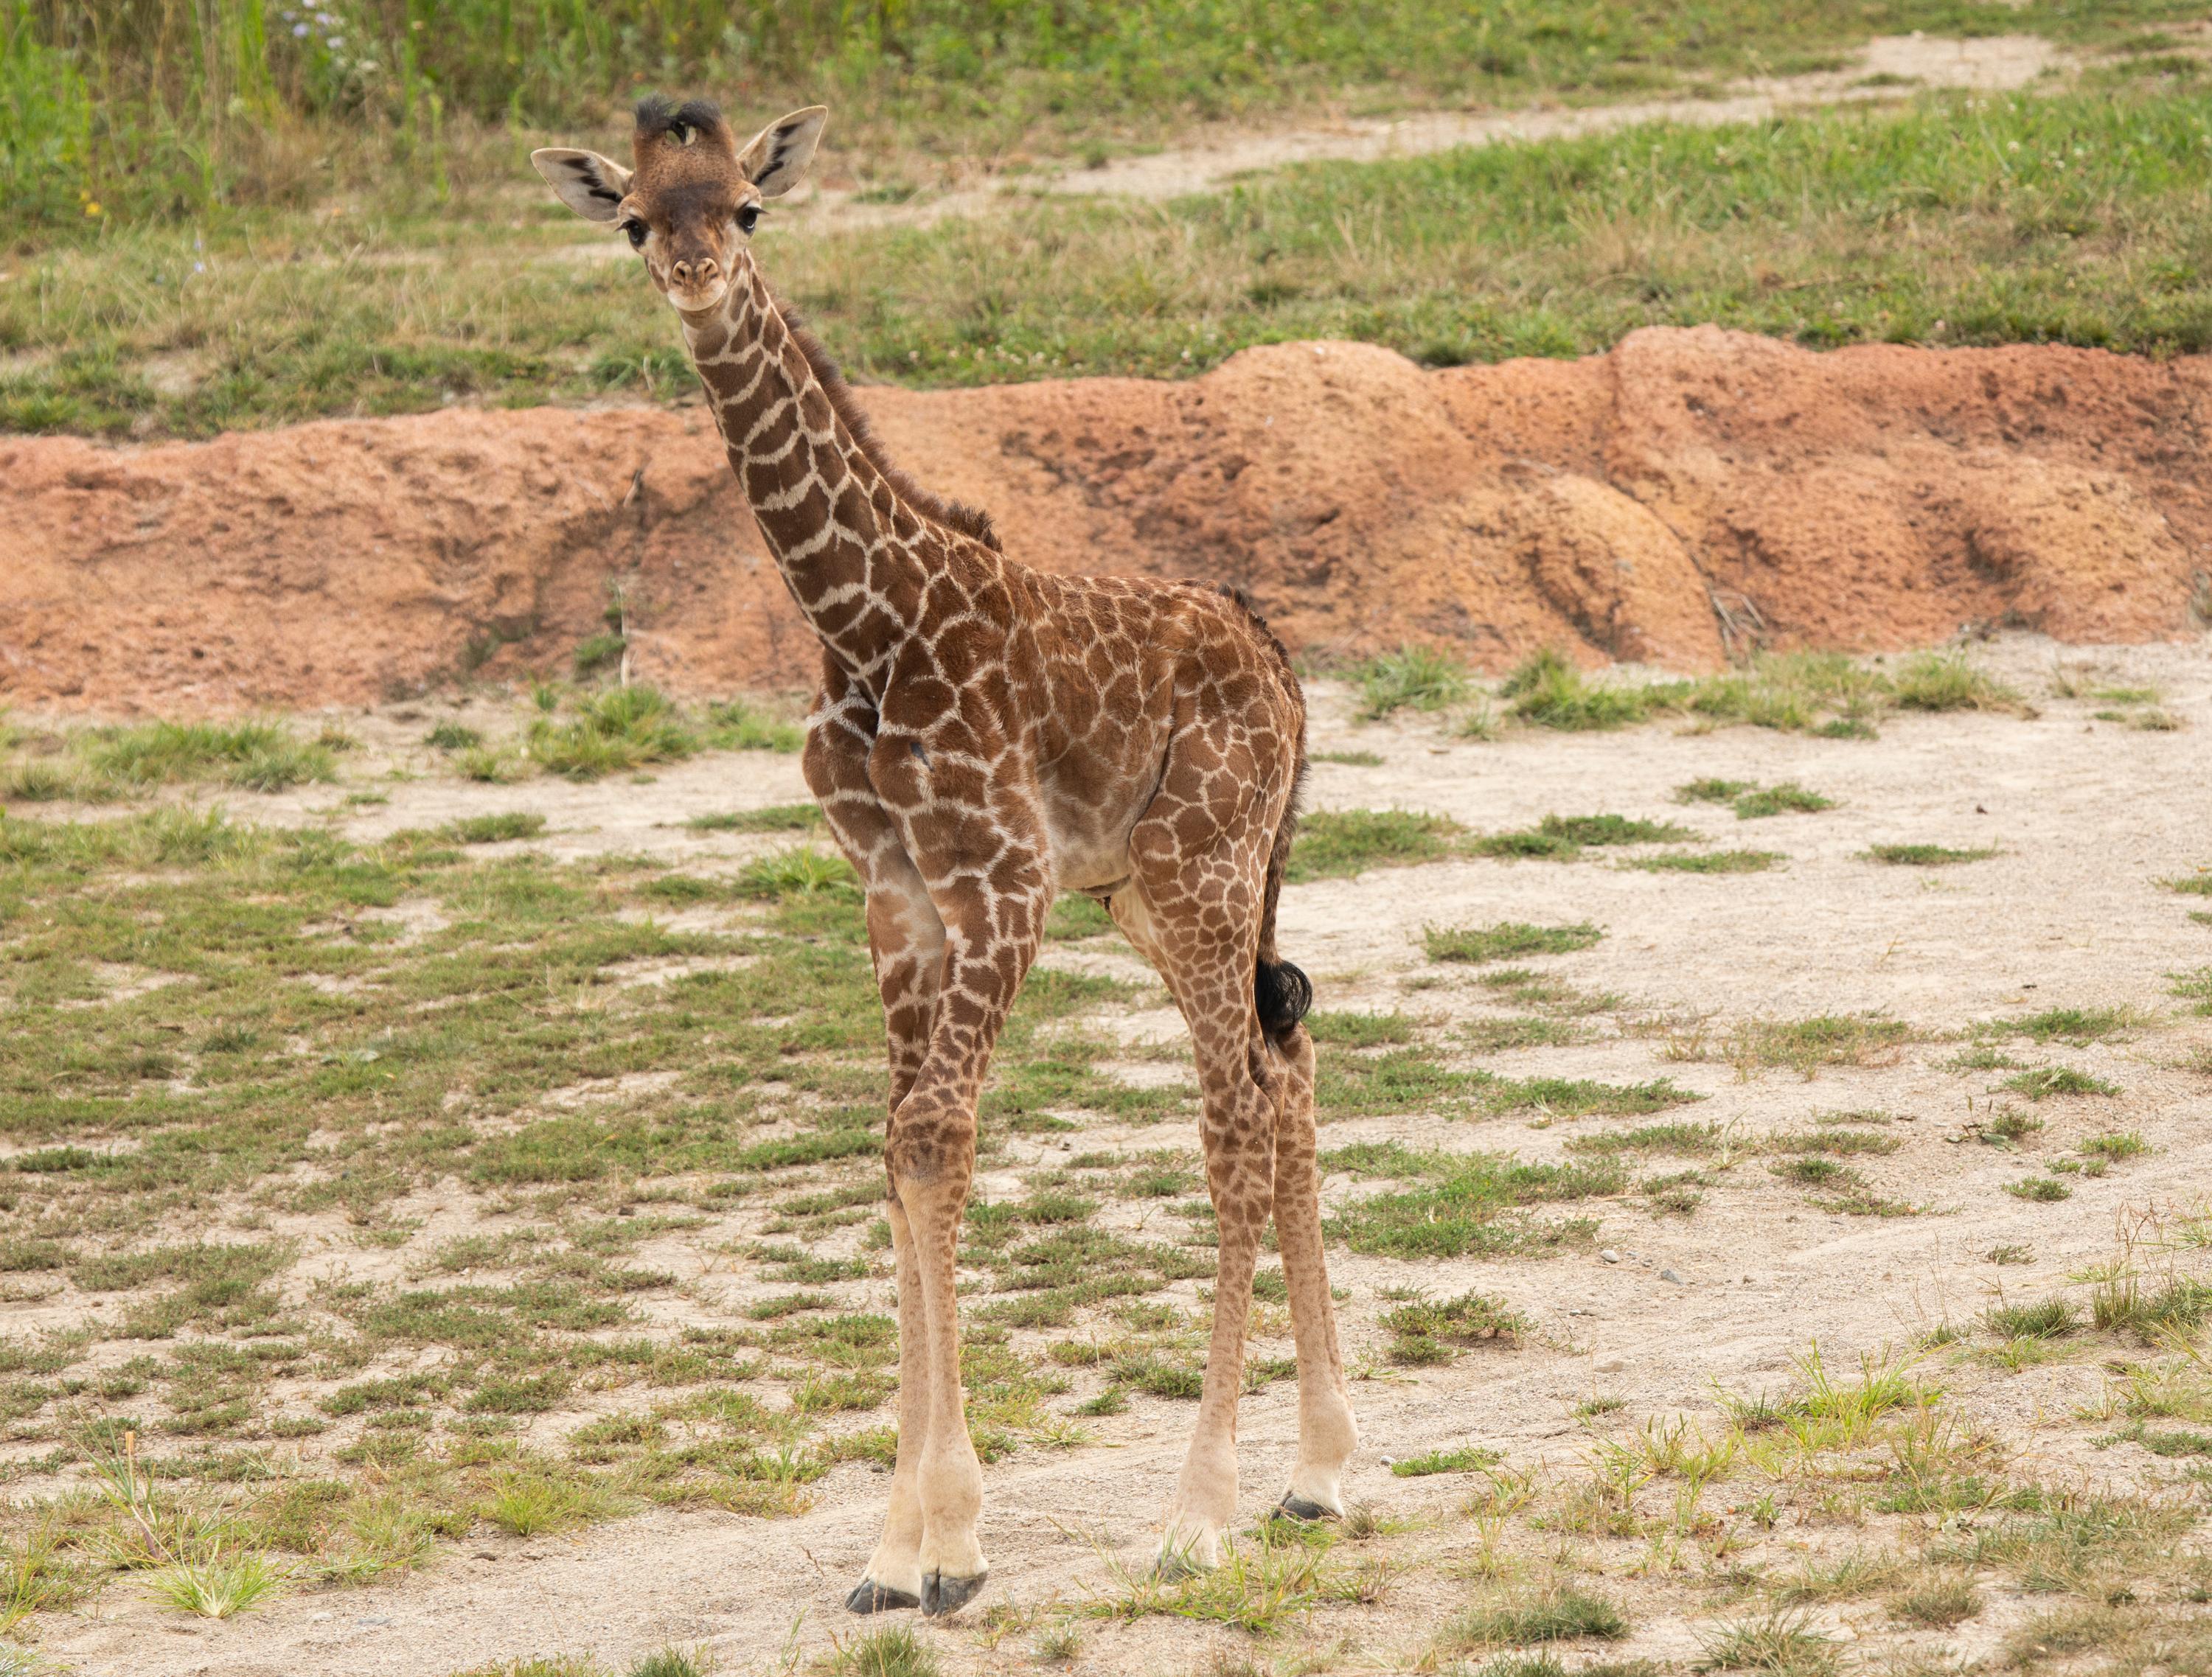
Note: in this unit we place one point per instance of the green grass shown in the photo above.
(1787, 799)
(1075, 917)
(1785, 1642)
(1604, 830)
(1752, 802)
(167, 140)
(1673, 1137)
(1525, 1031)
(1802, 1045)
(103, 763)
(2195, 987)
(1831, 228)
(1350, 759)
(1335, 844)
(1552, 1615)
(1550, 692)
(1468, 1205)
(1414, 677)
(174, 116)
(1925, 855)
(1426, 1332)
(345, 1025)
(1820, 693)
(1360, 1030)
(2114, 1144)
(1711, 789)
(771, 819)
(2045, 1081)
(2068, 1025)
(1561, 837)
(1938, 682)
(2050, 1319)
(897, 1652)
(1465, 1459)
(621, 729)
(493, 829)
(2190, 885)
(1710, 861)
(1506, 941)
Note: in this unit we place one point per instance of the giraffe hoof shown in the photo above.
(1174, 1565)
(941, 1595)
(1295, 1507)
(869, 1596)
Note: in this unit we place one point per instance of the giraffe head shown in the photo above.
(691, 200)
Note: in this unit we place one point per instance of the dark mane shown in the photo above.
(970, 521)
(657, 114)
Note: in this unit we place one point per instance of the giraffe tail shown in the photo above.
(1280, 993)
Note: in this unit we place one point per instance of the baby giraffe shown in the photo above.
(986, 737)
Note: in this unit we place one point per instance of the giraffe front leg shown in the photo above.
(894, 1577)
(932, 1168)
(906, 942)
(1327, 1433)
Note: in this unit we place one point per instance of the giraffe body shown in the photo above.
(986, 737)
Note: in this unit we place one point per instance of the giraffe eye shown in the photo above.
(637, 231)
(749, 218)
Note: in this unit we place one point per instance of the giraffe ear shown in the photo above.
(587, 183)
(780, 152)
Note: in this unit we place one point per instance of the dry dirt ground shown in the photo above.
(1664, 1314)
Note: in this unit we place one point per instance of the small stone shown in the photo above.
(1669, 1275)
(1387, 1460)
(1611, 1363)
(1610, 1255)
(374, 1621)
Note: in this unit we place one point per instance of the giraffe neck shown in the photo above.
(844, 541)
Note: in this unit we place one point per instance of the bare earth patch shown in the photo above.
(1781, 1308)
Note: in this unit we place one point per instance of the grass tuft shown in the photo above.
(622, 729)
(1941, 682)
(2051, 1319)
(1785, 1642)
(1710, 861)
(1426, 1333)
(1464, 1459)
(1506, 941)
(1925, 855)
(1557, 1614)
(1550, 693)
(1335, 844)
(1414, 677)
(1787, 799)
(218, 1587)
(493, 829)
(897, 1652)
(2045, 1081)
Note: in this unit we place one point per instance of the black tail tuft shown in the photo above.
(1282, 993)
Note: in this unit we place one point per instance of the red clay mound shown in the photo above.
(1690, 491)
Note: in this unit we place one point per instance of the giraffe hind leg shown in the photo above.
(1211, 978)
(1327, 1433)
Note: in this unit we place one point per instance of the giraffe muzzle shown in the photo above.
(696, 286)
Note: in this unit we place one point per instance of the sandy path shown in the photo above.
(2088, 815)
